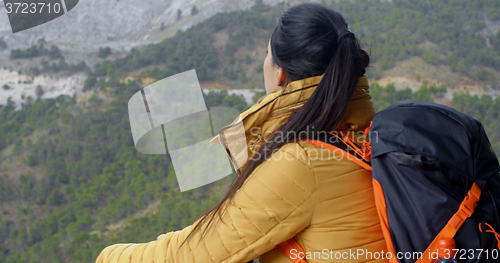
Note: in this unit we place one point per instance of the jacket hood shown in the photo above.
(242, 138)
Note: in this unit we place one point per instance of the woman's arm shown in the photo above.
(274, 204)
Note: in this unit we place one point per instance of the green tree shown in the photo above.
(3, 44)
(194, 10)
(104, 52)
(54, 52)
(90, 82)
(39, 91)
(483, 75)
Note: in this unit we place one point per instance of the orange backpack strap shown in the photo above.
(293, 251)
(465, 210)
(345, 146)
(384, 221)
(353, 157)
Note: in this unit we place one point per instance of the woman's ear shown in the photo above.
(280, 77)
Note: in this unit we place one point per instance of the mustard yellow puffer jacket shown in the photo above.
(324, 201)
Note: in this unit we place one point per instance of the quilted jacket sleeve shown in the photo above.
(275, 203)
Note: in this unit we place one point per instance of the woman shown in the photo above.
(287, 188)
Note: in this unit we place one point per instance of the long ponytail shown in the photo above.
(309, 40)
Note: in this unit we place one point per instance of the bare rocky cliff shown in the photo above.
(119, 24)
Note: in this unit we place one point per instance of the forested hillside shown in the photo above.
(230, 47)
(92, 178)
(71, 181)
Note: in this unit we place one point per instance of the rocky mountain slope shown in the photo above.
(120, 24)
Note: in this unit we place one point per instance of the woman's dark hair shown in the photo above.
(309, 40)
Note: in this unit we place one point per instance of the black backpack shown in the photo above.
(429, 158)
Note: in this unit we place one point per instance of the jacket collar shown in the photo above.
(238, 138)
